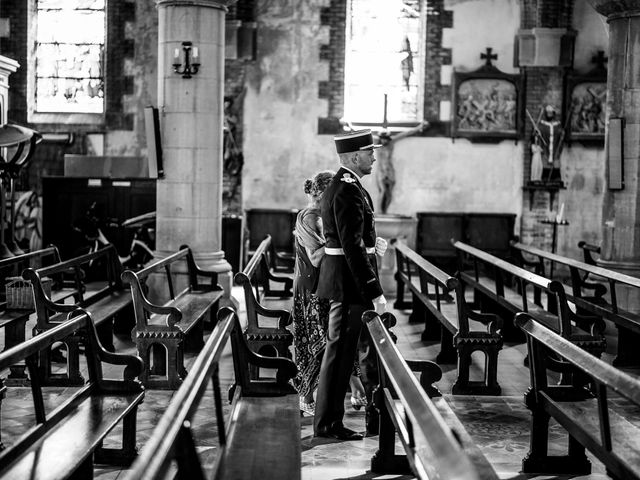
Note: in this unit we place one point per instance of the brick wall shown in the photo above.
(546, 13)
(544, 86)
(118, 48)
(436, 56)
(334, 16)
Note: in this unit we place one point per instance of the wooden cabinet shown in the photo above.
(277, 222)
(490, 232)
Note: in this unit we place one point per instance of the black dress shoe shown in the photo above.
(339, 433)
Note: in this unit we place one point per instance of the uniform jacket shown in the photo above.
(347, 218)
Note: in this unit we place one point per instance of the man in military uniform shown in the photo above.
(349, 279)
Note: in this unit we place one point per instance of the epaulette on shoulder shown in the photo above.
(347, 178)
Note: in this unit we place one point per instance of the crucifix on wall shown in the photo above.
(385, 172)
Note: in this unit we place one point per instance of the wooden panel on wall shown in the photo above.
(66, 202)
(615, 154)
(490, 232)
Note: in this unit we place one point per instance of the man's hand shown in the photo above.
(380, 304)
(381, 246)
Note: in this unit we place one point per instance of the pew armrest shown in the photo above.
(491, 320)
(142, 304)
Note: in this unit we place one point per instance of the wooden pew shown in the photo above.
(268, 308)
(280, 261)
(588, 249)
(164, 330)
(439, 299)
(65, 442)
(594, 302)
(581, 408)
(103, 299)
(260, 439)
(433, 448)
(13, 319)
(490, 277)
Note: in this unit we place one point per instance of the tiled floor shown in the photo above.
(499, 425)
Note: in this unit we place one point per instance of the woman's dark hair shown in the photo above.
(318, 184)
(308, 186)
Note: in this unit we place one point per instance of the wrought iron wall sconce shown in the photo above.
(191, 60)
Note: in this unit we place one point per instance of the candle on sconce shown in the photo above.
(195, 53)
(176, 54)
(560, 213)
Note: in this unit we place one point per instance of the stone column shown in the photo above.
(189, 197)
(621, 208)
(621, 234)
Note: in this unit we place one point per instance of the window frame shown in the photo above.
(392, 126)
(82, 118)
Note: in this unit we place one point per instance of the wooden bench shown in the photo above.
(65, 442)
(268, 308)
(14, 320)
(259, 439)
(491, 277)
(103, 299)
(439, 299)
(594, 301)
(163, 331)
(582, 408)
(588, 249)
(433, 448)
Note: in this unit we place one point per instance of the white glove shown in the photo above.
(381, 246)
(380, 304)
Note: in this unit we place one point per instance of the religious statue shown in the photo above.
(536, 160)
(546, 146)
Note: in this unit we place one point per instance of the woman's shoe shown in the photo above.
(358, 402)
(307, 409)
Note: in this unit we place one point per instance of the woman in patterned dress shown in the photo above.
(310, 313)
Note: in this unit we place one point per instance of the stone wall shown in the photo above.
(288, 101)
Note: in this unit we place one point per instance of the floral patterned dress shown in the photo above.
(310, 313)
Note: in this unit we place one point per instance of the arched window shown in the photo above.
(384, 58)
(69, 54)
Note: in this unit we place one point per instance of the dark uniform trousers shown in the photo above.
(345, 335)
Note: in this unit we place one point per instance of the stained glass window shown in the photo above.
(384, 55)
(70, 56)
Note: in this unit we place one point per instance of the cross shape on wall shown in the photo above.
(599, 59)
(488, 56)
